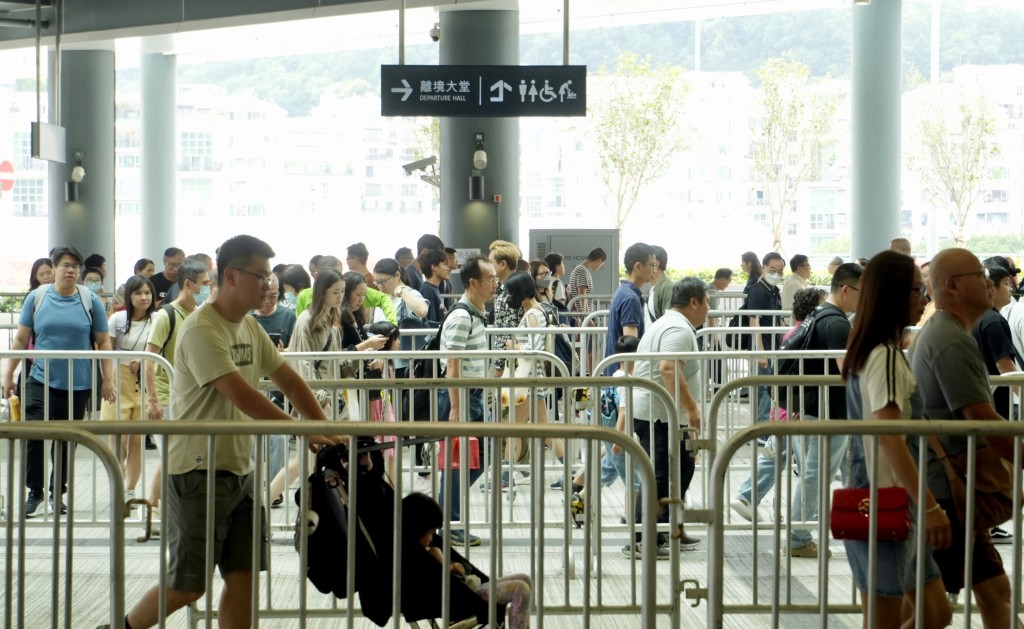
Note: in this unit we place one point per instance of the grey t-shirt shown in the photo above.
(671, 333)
(950, 375)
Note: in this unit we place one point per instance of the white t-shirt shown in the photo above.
(129, 339)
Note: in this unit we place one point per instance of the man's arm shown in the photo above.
(20, 343)
(986, 412)
(454, 370)
(672, 378)
(1006, 365)
(630, 330)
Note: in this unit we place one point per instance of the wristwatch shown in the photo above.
(399, 290)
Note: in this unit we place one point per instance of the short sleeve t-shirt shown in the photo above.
(762, 296)
(127, 338)
(159, 335)
(161, 285)
(992, 334)
(282, 322)
(627, 309)
(580, 278)
(885, 379)
(435, 306)
(465, 331)
(951, 375)
(303, 300)
(61, 323)
(672, 333)
(208, 348)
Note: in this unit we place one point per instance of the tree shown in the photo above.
(789, 137)
(955, 140)
(636, 117)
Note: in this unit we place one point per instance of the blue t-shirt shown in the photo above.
(435, 305)
(627, 309)
(62, 324)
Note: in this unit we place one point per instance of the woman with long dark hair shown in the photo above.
(881, 385)
(750, 265)
(42, 273)
(130, 328)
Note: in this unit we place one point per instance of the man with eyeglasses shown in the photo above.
(164, 280)
(626, 313)
(59, 316)
(800, 265)
(220, 357)
(954, 384)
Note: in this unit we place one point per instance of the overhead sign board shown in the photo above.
(513, 91)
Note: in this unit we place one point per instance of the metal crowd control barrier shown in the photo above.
(595, 301)
(643, 602)
(825, 607)
(14, 605)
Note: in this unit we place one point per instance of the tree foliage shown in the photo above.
(790, 135)
(955, 134)
(636, 128)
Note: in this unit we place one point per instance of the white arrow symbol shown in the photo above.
(500, 88)
(404, 91)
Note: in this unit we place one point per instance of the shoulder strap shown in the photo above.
(172, 320)
(84, 295)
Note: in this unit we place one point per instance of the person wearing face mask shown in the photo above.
(294, 280)
(764, 294)
(92, 278)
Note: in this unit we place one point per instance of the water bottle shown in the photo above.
(14, 402)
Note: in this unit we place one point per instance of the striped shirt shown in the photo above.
(463, 331)
(580, 278)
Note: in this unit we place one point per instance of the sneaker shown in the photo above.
(63, 507)
(807, 551)
(577, 510)
(1000, 536)
(278, 502)
(34, 505)
(688, 542)
(635, 551)
(458, 538)
(506, 484)
(150, 444)
(742, 509)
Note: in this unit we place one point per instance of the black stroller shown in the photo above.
(328, 545)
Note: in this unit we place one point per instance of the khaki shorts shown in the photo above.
(129, 398)
(184, 523)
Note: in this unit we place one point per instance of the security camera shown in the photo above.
(421, 164)
(435, 33)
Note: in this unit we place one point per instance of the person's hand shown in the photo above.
(316, 441)
(376, 364)
(458, 568)
(453, 414)
(108, 392)
(375, 342)
(9, 388)
(762, 363)
(134, 366)
(154, 410)
(937, 530)
(693, 417)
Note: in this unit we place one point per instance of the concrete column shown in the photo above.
(87, 112)
(470, 37)
(877, 77)
(159, 151)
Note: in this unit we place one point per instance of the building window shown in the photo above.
(196, 151)
(29, 197)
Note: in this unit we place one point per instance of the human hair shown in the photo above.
(296, 276)
(901, 245)
(63, 251)
(388, 330)
(770, 257)
(661, 256)
(523, 265)
(836, 261)
(847, 273)
(883, 309)
(403, 251)
(471, 269)
(520, 286)
(450, 251)
(33, 283)
(94, 260)
(420, 514)
(429, 241)
(637, 252)
(798, 261)
(996, 272)
(359, 252)
(321, 316)
(390, 266)
(805, 301)
(141, 264)
(627, 344)
(723, 273)
(314, 262)
(239, 251)
(205, 259)
(190, 270)
(429, 258)
(134, 284)
(755, 265)
(353, 281)
(173, 252)
(535, 266)
(91, 269)
(686, 289)
(597, 254)
(328, 263)
(553, 260)
(504, 251)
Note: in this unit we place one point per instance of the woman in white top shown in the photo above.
(522, 293)
(130, 328)
(880, 385)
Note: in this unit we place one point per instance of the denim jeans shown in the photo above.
(765, 474)
(764, 394)
(614, 465)
(475, 412)
(805, 497)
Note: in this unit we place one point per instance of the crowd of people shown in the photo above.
(224, 322)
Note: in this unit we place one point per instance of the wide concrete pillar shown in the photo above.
(87, 112)
(159, 150)
(877, 77)
(475, 37)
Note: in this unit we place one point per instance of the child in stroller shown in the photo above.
(421, 517)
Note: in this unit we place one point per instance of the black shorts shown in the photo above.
(986, 562)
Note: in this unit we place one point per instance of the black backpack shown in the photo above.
(800, 341)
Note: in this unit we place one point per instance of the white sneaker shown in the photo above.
(129, 495)
(743, 509)
(422, 484)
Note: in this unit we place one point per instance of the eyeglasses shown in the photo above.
(981, 273)
(922, 290)
(492, 279)
(545, 274)
(64, 266)
(264, 279)
(379, 282)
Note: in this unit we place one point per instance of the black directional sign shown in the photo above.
(483, 91)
